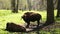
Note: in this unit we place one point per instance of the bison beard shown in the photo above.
(31, 16)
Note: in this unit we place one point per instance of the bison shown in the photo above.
(31, 17)
(15, 28)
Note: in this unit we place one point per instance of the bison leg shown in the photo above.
(38, 22)
(28, 23)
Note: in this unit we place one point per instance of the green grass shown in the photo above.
(8, 16)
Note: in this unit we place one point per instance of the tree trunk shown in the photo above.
(14, 6)
(17, 6)
(50, 13)
(29, 4)
(58, 9)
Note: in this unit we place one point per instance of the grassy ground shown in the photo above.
(8, 16)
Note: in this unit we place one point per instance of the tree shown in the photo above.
(58, 9)
(17, 2)
(50, 13)
(29, 5)
(14, 6)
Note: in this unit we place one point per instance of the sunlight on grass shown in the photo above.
(5, 12)
(8, 16)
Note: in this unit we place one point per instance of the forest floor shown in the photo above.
(52, 26)
(48, 28)
(8, 16)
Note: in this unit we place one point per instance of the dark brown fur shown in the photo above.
(14, 27)
(31, 16)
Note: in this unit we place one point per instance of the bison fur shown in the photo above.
(31, 17)
(14, 27)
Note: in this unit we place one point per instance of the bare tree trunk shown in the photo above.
(16, 9)
(50, 13)
(29, 5)
(58, 8)
(14, 6)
